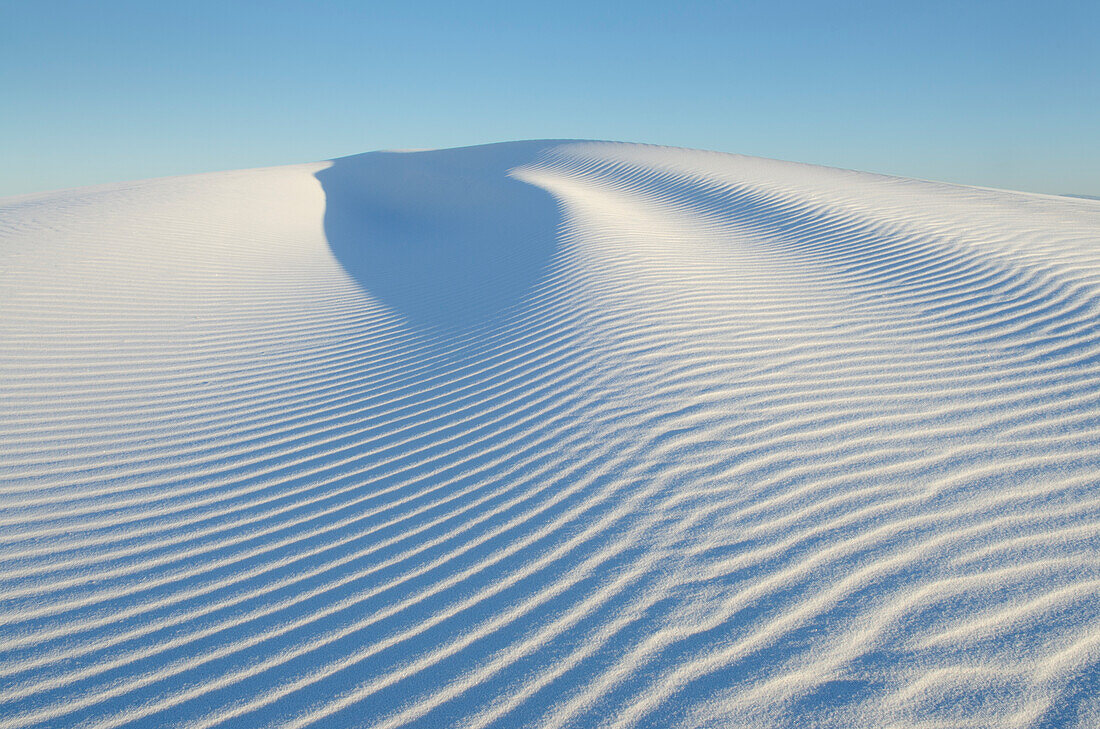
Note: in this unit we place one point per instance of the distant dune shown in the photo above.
(554, 434)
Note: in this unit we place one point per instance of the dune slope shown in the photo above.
(556, 434)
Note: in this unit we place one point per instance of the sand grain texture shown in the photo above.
(556, 434)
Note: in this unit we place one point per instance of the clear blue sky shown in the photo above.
(1005, 94)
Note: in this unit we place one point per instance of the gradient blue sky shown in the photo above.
(1004, 94)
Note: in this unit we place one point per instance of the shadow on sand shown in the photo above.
(446, 238)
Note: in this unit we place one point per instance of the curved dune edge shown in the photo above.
(553, 434)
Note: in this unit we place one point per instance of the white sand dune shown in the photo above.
(556, 434)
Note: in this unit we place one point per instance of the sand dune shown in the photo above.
(556, 434)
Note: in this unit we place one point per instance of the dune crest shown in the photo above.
(555, 434)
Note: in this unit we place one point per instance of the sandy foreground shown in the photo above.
(555, 434)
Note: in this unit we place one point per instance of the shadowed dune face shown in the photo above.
(448, 239)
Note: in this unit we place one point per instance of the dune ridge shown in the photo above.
(554, 434)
